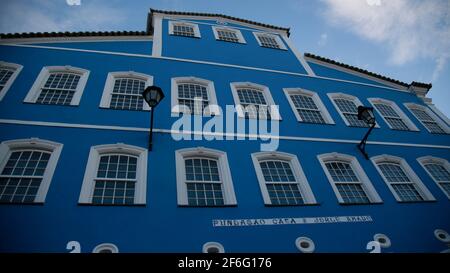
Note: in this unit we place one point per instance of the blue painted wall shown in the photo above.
(162, 226)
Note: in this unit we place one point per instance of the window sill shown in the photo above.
(222, 206)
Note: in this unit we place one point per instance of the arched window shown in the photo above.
(254, 101)
(115, 174)
(347, 107)
(191, 95)
(392, 115)
(439, 171)
(123, 91)
(58, 85)
(8, 73)
(348, 180)
(281, 179)
(203, 178)
(27, 167)
(404, 184)
(307, 106)
(428, 119)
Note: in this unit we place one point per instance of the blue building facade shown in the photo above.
(76, 174)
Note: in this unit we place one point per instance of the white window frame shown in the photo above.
(236, 31)
(441, 123)
(274, 111)
(93, 162)
(212, 109)
(364, 180)
(36, 89)
(420, 187)
(356, 101)
(194, 26)
(111, 79)
(300, 177)
(411, 126)
(229, 197)
(277, 38)
(9, 146)
(106, 246)
(17, 68)
(434, 160)
(315, 97)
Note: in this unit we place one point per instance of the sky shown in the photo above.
(408, 40)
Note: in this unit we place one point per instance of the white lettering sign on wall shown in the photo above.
(290, 221)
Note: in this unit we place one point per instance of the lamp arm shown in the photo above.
(362, 144)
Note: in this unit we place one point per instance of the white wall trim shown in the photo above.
(274, 111)
(86, 39)
(182, 23)
(299, 56)
(168, 131)
(225, 28)
(300, 91)
(403, 116)
(296, 168)
(441, 124)
(435, 160)
(92, 166)
(361, 75)
(277, 38)
(212, 108)
(364, 180)
(355, 100)
(111, 79)
(203, 62)
(420, 187)
(7, 147)
(157, 34)
(36, 89)
(224, 172)
(12, 66)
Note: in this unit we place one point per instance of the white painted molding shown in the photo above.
(111, 79)
(10, 66)
(299, 56)
(157, 36)
(86, 39)
(46, 71)
(9, 146)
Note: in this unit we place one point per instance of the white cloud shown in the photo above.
(49, 16)
(323, 39)
(408, 29)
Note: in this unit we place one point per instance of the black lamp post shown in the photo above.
(152, 95)
(366, 114)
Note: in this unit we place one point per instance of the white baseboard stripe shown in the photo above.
(224, 135)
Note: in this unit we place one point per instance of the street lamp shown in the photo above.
(366, 114)
(152, 95)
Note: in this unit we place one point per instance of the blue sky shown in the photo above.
(408, 40)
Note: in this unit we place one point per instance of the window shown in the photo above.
(8, 73)
(254, 101)
(281, 179)
(269, 40)
(348, 180)
(27, 167)
(213, 247)
(404, 184)
(347, 107)
(106, 248)
(203, 178)
(228, 34)
(428, 119)
(115, 175)
(392, 115)
(307, 106)
(123, 90)
(180, 28)
(439, 171)
(58, 85)
(193, 95)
